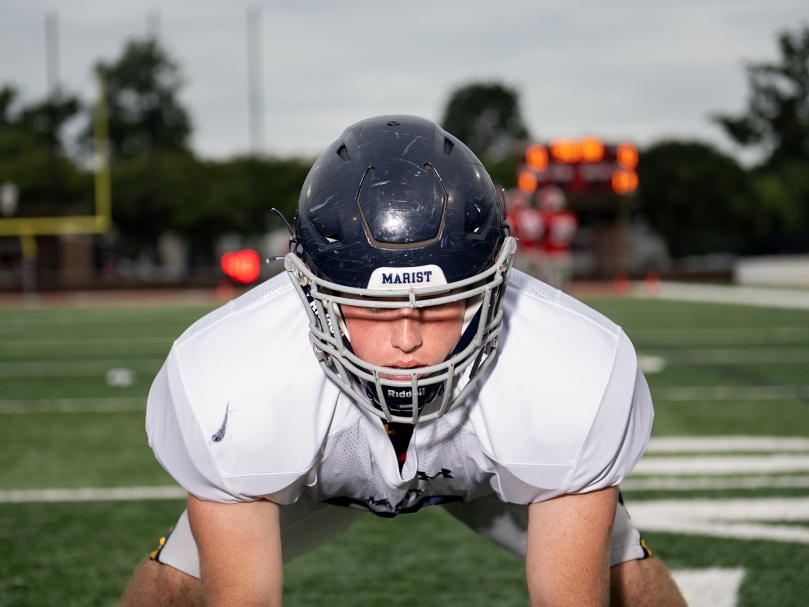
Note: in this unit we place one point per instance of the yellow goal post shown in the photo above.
(28, 228)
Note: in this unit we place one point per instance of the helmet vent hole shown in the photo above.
(428, 166)
(448, 146)
(474, 229)
(393, 123)
(342, 152)
(333, 238)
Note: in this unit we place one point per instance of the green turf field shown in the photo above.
(720, 370)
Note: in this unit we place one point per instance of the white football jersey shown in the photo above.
(242, 411)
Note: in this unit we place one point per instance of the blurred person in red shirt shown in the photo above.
(560, 226)
(526, 225)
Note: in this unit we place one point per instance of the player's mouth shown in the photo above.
(402, 377)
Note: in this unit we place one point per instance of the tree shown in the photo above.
(144, 111)
(783, 190)
(38, 124)
(146, 122)
(202, 199)
(698, 199)
(777, 117)
(777, 121)
(7, 95)
(33, 154)
(486, 117)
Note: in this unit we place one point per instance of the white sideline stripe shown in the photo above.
(715, 484)
(724, 356)
(797, 299)
(92, 495)
(730, 518)
(702, 393)
(728, 336)
(82, 368)
(73, 405)
(714, 587)
(82, 341)
(706, 444)
(720, 465)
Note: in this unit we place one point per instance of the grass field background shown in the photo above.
(64, 427)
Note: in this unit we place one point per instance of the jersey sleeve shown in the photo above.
(176, 438)
(620, 430)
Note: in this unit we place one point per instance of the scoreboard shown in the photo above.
(597, 181)
(579, 167)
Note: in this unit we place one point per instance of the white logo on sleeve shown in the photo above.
(403, 278)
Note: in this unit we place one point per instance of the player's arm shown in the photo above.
(239, 552)
(567, 558)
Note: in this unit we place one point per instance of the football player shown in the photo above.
(525, 223)
(399, 364)
(561, 226)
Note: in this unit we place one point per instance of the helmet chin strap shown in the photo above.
(338, 314)
(472, 307)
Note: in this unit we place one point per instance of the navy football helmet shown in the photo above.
(399, 213)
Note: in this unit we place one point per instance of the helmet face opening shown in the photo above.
(430, 391)
(397, 213)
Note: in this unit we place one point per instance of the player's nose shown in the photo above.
(406, 335)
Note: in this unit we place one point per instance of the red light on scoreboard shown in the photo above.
(583, 167)
(624, 182)
(627, 156)
(592, 150)
(244, 266)
(536, 157)
(527, 182)
(565, 150)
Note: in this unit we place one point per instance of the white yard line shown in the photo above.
(725, 336)
(701, 393)
(714, 587)
(79, 368)
(92, 495)
(705, 471)
(707, 444)
(726, 356)
(721, 465)
(715, 484)
(731, 518)
(73, 405)
(85, 341)
(797, 299)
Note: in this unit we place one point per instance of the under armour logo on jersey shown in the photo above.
(372, 501)
(444, 473)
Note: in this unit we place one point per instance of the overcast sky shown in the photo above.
(637, 69)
